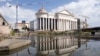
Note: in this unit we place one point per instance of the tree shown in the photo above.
(24, 28)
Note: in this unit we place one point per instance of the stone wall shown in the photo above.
(5, 29)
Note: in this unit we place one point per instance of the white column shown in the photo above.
(43, 23)
(54, 25)
(61, 25)
(69, 24)
(40, 23)
(46, 23)
(65, 24)
(58, 23)
(51, 24)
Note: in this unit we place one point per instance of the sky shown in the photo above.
(28, 8)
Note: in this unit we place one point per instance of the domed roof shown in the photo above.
(42, 10)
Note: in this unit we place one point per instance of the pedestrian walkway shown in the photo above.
(91, 49)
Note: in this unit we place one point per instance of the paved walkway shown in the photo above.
(93, 49)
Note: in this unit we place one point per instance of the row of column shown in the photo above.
(67, 24)
(45, 43)
(47, 24)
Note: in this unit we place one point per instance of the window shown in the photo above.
(3, 23)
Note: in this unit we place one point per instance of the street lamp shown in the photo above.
(16, 15)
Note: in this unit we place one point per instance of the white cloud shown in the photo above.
(5, 0)
(90, 8)
(10, 13)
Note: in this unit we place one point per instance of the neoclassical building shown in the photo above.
(60, 21)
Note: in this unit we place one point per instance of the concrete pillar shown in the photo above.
(40, 24)
(70, 24)
(46, 23)
(51, 23)
(54, 25)
(43, 23)
(64, 25)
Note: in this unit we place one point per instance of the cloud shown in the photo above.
(10, 13)
(88, 8)
(5, 0)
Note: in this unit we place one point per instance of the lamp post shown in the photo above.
(16, 16)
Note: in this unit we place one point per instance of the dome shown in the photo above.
(42, 10)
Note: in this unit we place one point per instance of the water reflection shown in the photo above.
(54, 44)
(46, 45)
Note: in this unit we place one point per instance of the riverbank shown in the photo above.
(9, 44)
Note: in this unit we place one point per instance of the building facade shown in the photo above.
(21, 25)
(5, 28)
(60, 21)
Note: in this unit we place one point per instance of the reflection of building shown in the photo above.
(23, 24)
(5, 28)
(50, 44)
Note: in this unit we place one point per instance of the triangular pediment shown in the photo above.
(65, 12)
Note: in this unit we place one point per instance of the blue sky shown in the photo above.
(79, 8)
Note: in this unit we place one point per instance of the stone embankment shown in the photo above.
(9, 44)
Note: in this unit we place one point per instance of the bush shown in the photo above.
(12, 32)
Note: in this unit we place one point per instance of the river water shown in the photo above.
(47, 45)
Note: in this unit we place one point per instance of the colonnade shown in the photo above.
(65, 24)
(56, 24)
(47, 24)
(48, 43)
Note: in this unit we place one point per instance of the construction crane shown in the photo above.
(16, 6)
(86, 17)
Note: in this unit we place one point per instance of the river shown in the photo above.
(47, 45)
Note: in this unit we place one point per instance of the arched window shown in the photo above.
(3, 23)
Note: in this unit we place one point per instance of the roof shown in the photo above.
(65, 12)
(42, 10)
(4, 19)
